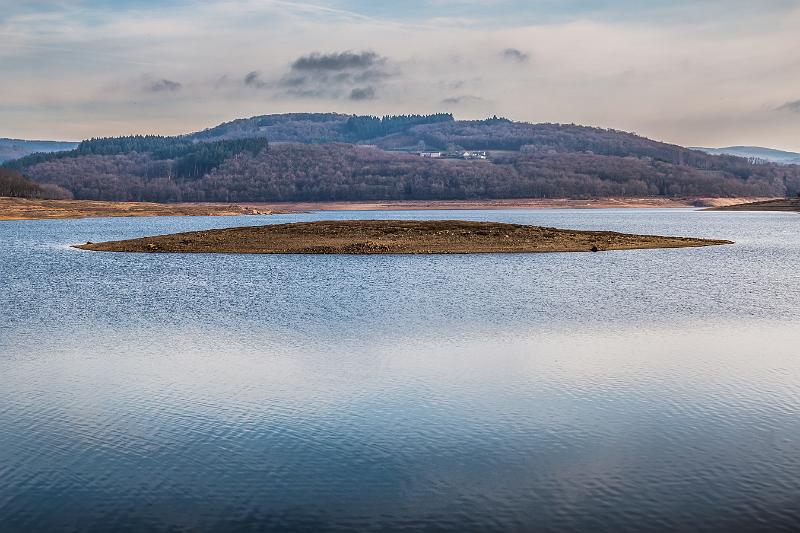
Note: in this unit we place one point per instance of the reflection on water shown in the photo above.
(615, 391)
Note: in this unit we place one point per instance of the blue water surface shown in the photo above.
(619, 391)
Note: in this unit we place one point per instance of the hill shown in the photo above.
(16, 148)
(757, 153)
(318, 157)
(15, 185)
(317, 127)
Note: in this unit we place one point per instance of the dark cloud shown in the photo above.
(362, 93)
(253, 79)
(164, 86)
(353, 75)
(793, 106)
(465, 99)
(512, 54)
(371, 75)
(317, 62)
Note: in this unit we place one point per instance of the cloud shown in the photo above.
(164, 86)
(349, 60)
(365, 93)
(793, 106)
(669, 70)
(515, 55)
(464, 99)
(336, 75)
(253, 79)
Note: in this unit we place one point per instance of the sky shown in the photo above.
(696, 73)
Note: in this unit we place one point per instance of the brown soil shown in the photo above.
(518, 203)
(23, 209)
(394, 237)
(781, 204)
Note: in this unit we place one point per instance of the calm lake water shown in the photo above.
(617, 391)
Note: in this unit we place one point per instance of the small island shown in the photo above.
(394, 237)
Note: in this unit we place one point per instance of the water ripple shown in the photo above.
(624, 391)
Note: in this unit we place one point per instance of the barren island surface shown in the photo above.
(394, 237)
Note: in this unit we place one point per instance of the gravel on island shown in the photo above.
(394, 237)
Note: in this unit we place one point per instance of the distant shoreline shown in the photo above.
(25, 209)
(511, 203)
(781, 204)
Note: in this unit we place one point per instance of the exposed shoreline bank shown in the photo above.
(781, 204)
(394, 237)
(25, 209)
(511, 203)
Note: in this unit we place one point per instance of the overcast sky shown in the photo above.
(702, 72)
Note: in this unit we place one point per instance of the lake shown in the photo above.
(619, 391)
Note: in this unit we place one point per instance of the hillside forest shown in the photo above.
(307, 157)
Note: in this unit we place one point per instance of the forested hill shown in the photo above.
(296, 157)
(15, 185)
(757, 154)
(318, 127)
(16, 148)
